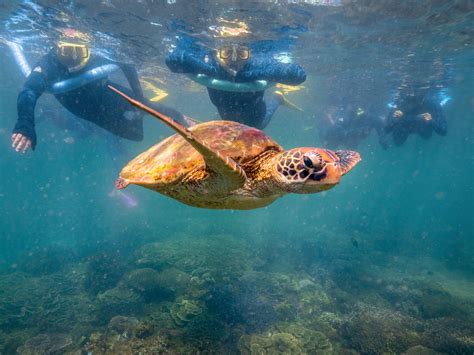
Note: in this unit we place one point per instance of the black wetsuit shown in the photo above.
(349, 130)
(93, 102)
(248, 108)
(412, 122)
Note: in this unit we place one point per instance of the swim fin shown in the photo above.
(286, 102)
(159, 94)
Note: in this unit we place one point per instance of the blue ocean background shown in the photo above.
(382, 263)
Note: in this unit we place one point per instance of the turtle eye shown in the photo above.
(307, 162)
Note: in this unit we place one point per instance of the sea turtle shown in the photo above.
(227, 165)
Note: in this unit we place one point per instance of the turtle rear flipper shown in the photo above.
(348, 159)
(233, 174)
(121, 183)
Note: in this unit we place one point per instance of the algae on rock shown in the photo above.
(286, 339)
(184, 310)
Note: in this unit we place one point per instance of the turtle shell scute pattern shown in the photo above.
(174, 159)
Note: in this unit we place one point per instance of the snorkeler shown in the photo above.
(347, 125)
(236, 77)
(79, 82)
(415, 113)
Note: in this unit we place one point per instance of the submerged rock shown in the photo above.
(121, 324)
(148, 283)
(210, 258)
(103, 272)
(290, 339)
(143, 280)
(118, 300)
(111, 344)
(420, 350)
(46, 344)
(130, 327)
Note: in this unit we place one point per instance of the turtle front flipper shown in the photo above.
(233, 174)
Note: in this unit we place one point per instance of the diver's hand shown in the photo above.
(20, 142)
(426, 116)
(398, 114)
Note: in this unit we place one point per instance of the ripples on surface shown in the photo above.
(332, 36)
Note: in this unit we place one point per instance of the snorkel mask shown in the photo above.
(73, 50)
(233, 57)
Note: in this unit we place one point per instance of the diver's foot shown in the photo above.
(282, 100)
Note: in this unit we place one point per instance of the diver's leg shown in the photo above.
(120, 117)
(435, 108)
(400, 136)
(134, 116)
(426, 132)
(384, 138)
(129, 125)
(272, 104)
(382, 131)
(440, 125)
(170, 112)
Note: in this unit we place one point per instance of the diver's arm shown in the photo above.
(394, 115)
(272, 70)
(440, 125)
(132, 77)
(382, 130)
(168, 111)
(182, 61)
(34, 87)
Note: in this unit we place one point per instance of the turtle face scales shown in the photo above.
(309, 170)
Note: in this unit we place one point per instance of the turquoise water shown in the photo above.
(382, 263)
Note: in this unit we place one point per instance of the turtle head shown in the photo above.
(310, 170)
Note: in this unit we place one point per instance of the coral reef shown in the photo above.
(373, 330)
(46, 344)
(143, 280)
(241, 304)
(126, 336)
(420, 350)
(286, 339)
(118, 300)
(208, 259)
(46, 303)
(148, 283)
(422, 298)
(45, 260)
(449, 335)
(213, 294)
(103, 271)
(184, 310)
